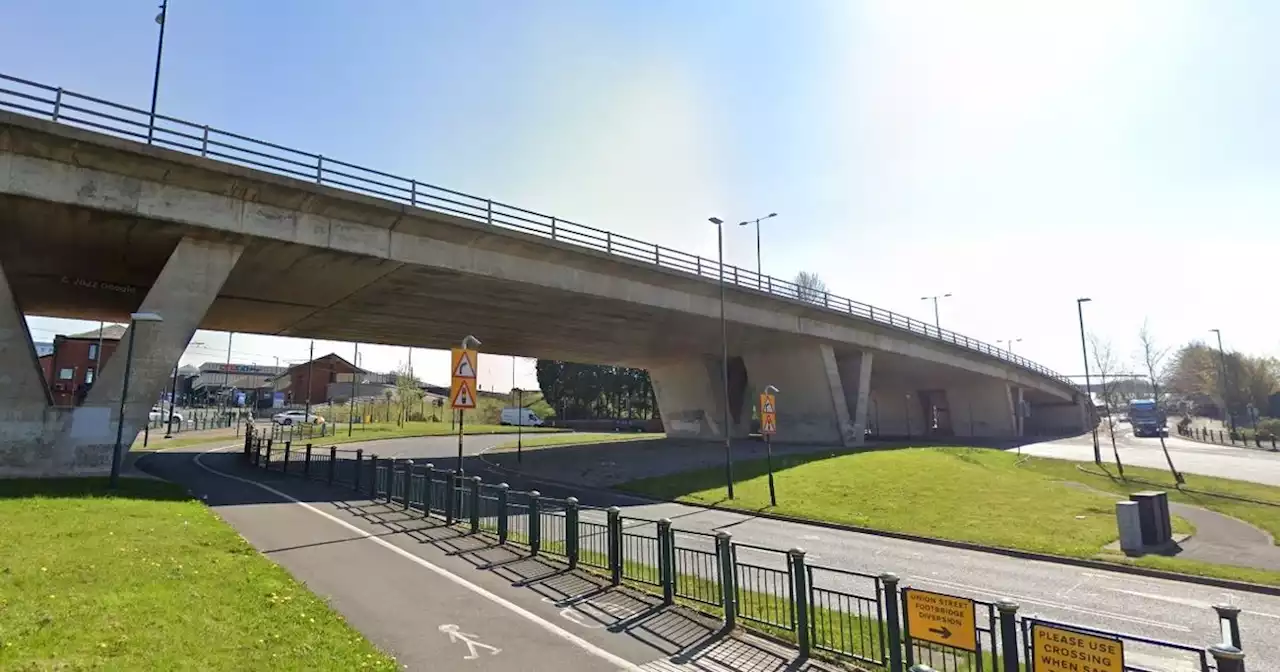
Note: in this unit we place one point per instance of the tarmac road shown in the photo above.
(1153, 608)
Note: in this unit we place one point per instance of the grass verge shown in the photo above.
(975, 495)
(577, 438)
(376, 431)
(150, 579)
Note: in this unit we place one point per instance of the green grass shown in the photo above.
(578, 438)
(969, 494)
(376, 431)
(158, 442)
(149, 579)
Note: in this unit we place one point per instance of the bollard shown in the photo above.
(1229, 623)
(535, 522)
(288, 445)
(728, 579)
(666, 563)
(475, 504)
(571, 531)
(407, 489)
(1008, 634)
(800, 598)
(359, 467)
(614, 546)
(503, 522)
(306, 466)
(428, 486)
(449, 499)
(333, 462)
(893, 622)
(1227, 657)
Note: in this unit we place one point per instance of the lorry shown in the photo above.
(523, 417)
(1147, 418)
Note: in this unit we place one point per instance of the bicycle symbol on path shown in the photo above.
(470, 640)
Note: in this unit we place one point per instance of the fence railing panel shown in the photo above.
(697, 568)
(764, 591)
(1141, 654)
(640, 551)
(847, 614)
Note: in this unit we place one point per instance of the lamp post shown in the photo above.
(1008, 343)
(756, 221)
(351, 417)
(1088, 386)
(311, 358)
(173, 400)
(937, 323)
(724, 359)
(1222, 381)
(134, 320)
(155, 82)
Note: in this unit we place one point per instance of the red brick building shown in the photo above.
(322, 371)
(72, 368)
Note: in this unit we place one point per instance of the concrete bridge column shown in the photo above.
(855, 375)
(25, 403)
(984, 408)
(690, 394)
(812, 405)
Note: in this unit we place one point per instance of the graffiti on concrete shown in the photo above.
(687, 423)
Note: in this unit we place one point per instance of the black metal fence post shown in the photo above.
(1008, 634)
(571, 531)
(406, 487)
(666, 564)
(306, 466)
(449, 499)
(893, 622)
(355, 484)
(475, 504)
(428, 486)
(503, 521)
(1228, 658)
(800, 597)
(333, 463)
(728, 579)
(373, 477)
(267, 466)
(1229, 623)
(288, 445)
(535, 522)
(614, 532)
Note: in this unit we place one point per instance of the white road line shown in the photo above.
(1056, 605)
(612, 659)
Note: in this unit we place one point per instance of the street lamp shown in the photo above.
(756, 221)
(155, 82)
(1088, 387)
(936, 322)
(116, 455)
(1008, 343)
(1222, 381)
(724, 359)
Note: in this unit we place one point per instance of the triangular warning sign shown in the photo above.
(462, 396)
(465, 368)
(768, 406)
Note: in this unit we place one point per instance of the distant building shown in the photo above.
(43, 348)
(72, 366)
(312, 382)
(218, 380)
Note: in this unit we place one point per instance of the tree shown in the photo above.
(810, 287)
(1152, 357)
(1197, 372)
(1104, 360)
(595, 390)
(407, 390)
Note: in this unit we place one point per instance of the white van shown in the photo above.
(520, 416)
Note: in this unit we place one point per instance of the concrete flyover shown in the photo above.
(215, 231)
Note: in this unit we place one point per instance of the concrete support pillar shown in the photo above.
(1017, 404)
(690, 394)
(983, 407)
(79, 441)
(855, 373)
(24, 394)
(812, 404)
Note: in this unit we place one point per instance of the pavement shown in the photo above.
(1147, 607)
(438, 599)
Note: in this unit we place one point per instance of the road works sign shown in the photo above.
(768, 414)
(462, 393)
(941, 619)
(463, 364)
(1057, 649)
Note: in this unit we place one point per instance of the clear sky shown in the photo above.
(1017, 155)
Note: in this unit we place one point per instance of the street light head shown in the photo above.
(743, 223)
(1216, 331)
(715, 220)
(771, 389)
(925, 298)
(1084, 300)
(772, 214)
(470, 342)
(947, 295)
(145, 317)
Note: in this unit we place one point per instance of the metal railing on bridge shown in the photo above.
(74, 109)
(826, 611)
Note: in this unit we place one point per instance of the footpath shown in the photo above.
(437, 598)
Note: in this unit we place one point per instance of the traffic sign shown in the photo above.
(463, 363)
(768, 403)
(1060, 649)
(942, 619)
(462, 393)
(768, 424)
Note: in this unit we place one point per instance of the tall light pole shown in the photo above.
(756, 221)
(1222, 381)
(936, 322)
(116, 454)
(724, 359)
(1088, 387)
(173, 401)
(1008, 343)
(311, 358)
(155, 82)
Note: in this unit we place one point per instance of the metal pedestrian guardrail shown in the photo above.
(88, 112)
(826, 611)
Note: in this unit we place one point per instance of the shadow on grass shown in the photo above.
(80, 488)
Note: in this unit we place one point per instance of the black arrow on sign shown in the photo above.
(944, 631)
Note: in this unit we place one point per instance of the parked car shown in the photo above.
(297, 418)
(157, 414)
(520, 416)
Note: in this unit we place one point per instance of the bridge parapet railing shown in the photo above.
(97, 114)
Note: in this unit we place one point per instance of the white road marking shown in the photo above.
(612, 659)
(574, 616)
(1185, 601)
(472, 643)
(1058, 605)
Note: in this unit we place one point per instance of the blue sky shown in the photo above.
(1017, 155)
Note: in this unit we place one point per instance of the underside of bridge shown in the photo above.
(95, 248)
